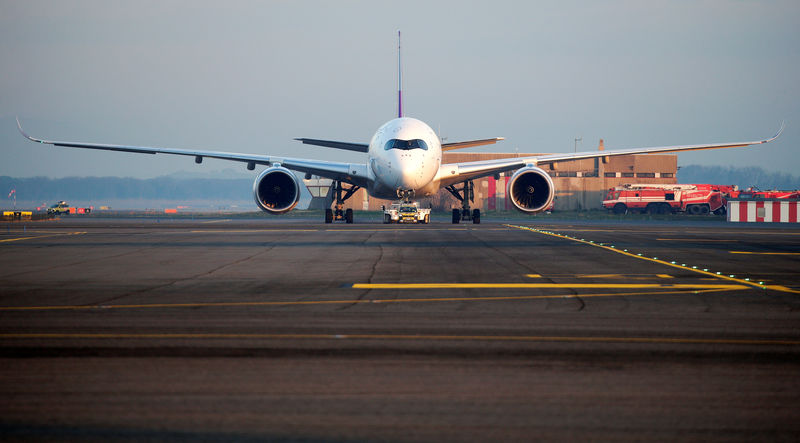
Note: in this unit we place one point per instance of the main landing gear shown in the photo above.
(465, 195)
(338, 213)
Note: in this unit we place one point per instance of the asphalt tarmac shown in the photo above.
(293, 330)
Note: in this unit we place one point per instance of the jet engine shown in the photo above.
(276, 190)
(531, 190)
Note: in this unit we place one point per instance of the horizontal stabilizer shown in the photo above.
(358, 147)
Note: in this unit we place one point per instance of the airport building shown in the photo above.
(580, 184)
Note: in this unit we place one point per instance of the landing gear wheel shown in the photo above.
(620, 208)
(456, 216)
(348, 216)
(329, 216)
(476, 216)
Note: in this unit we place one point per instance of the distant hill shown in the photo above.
(742, 177)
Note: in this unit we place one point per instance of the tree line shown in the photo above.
(743, 177)
(105, 188)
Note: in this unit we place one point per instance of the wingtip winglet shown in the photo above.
(778, 134)
(22, 131)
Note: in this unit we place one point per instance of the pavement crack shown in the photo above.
(372, 272)
(173, 282)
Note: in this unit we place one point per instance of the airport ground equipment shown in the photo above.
(699, 199)
(62, 208)
(766, 210)
(17, 215)
(752, 193)
(771, 206)
(59, 208)
(406, 212)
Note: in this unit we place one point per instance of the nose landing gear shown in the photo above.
(465, 195)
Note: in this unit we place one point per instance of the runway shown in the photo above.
(289, 329)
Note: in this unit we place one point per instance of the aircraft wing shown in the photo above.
(356, 174)
(358, 147)
(457, 172)
(470, 143)
(363, 147)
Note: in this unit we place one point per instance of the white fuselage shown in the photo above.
(404, 155)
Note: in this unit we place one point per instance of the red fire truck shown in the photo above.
(665, 199)
(755, 193)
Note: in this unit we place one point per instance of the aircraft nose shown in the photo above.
(408, 173)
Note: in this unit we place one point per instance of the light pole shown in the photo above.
(578, 139)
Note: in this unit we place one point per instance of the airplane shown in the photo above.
(404, 161)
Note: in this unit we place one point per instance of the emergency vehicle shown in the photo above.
(668, 198)
(755, 193)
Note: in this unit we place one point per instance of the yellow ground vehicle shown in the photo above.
(406, 213)
(59, 208)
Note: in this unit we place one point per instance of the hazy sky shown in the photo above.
(251, 76)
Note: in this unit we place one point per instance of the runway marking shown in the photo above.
(215, 221)
(726, 287)
(352, 302)
(779, 288)
(625, 276)
(765, 253)
(7, 240)
(412, 337)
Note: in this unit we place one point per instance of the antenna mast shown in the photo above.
(399, 79)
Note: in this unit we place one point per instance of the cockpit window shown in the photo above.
(406, 145)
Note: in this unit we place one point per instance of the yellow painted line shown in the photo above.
(414, 337)
(600, 276)
(21, 238)
(765, 253)
(725, 287)
(7, 240)
(349, 302)
(626, 276)
(662, 262)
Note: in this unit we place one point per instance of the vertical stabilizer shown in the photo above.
(399, 79)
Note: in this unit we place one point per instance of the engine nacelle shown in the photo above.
(531, 190)
(276, 190)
